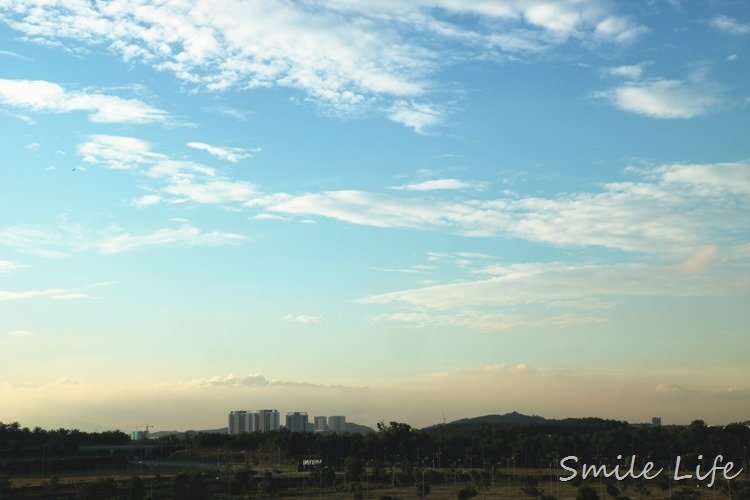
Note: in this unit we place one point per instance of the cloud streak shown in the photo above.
(223, 153)
(48, 97)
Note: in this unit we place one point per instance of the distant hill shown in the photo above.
(353, 428)
(513, 418)
(158, 434)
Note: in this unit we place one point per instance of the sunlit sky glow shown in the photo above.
(389, 210)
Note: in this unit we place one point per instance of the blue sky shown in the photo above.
(367, 207)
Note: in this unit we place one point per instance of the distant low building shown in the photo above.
(656, 422)
(139, 436)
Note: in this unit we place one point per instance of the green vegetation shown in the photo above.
(461, 460)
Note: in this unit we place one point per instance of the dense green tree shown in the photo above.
(5, 487)
(586, 492)
(354, 468)
(467, 492)
(136, 489)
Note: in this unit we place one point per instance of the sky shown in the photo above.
(389, 210)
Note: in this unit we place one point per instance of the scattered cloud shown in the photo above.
(265, 216)
(66, 240)
(480, 320)
(419, 117)
(700, 259)
(619, 29)
(369, 56)
(20, 334)
(556, 283)
(730, 25)
(185, 236)
(223, 153)
(51, 293)
(438, 184)
(303, 319)
(33, 146)
(147, 200)
(631, 72)
(732, 57)
(49, 97)
(678, 396)
(180, 181)
(664, 99)
(7, 266)
(670, 208)
(15, 55)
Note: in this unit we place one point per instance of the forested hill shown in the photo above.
(509, 418)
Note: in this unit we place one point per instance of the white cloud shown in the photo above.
(147, 200)
(269, 217)
(419, 117)
(229, 154)
(74, 239)
(367, 55)
(303, 319)
(51, 293)
(559, 283)
(437, 184)
(619, 29)
(480, 320)
(730, 26)
(211, 191)
(632, 71)
(185, 236)
(20, 334)
(671, 208)
(15, 55)
(666, 99)
(43, 96)
(533, 294)
(118, 152)
(7, 266)
(732, 57)
(181, 180)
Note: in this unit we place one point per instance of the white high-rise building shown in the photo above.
(337, 423)
(237, 422)
(297, 422)
(242, 421)
(321, 424)
(268, 420)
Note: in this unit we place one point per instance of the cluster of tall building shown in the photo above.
(241, 421)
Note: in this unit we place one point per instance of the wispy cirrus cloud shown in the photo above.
(495, 296)
(438, 184)
(7, 266)
(304, 319)
(224, 153)
(369, 55)
(19, 334)
(730, 25)
(63, 240)
(48, 97)
(667, 209)
(51, 293)
(178, 180)
(630, 71)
